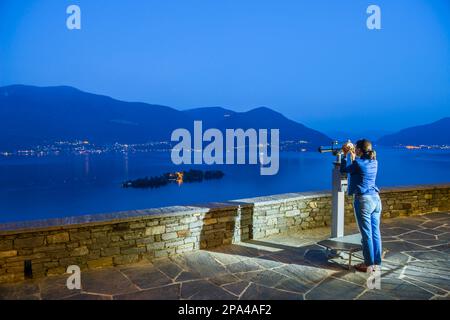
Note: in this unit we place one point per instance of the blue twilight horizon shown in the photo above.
(314, 61)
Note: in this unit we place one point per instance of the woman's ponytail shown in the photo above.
(372, 154)
(366, 148)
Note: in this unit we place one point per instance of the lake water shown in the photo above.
(56, 186)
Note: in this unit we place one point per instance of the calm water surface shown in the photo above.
(55, 186)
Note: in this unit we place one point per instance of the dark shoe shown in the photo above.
(361, 267)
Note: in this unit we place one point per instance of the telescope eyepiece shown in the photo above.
(326, 149)
(334, 148)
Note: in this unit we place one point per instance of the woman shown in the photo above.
(363, 171)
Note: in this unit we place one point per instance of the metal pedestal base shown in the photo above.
(349, 244)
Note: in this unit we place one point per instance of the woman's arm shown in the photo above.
(352, 167)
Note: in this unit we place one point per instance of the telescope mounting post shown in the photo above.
(339, 187)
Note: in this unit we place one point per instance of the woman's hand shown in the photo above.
(348, 147)
(352, 154)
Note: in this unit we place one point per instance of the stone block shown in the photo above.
(304, 215)
(155, 246)
(188, 220)
(126, 259)
(272, 231)
(8, 254)
(174, 244)
(152, 223)
(313, 204)
(52, 264)
(115, 238)
(56, 271)
(213, 243)
(137, 225)
(11, 277)
(196, 224)
(110, 251)
(30, 242)
(292, 213)
(177, 227)
(150, 231)
(73, 260)
(132, 250)
(6, 244)
(190, 240)
(272, 212)
(184, 248)
(72, 245)
(58, 238)
(169, 236)
(228, 241)
(99, 263)
(183, 233)
(227, 219)
(81, 251)
(164, 253)
(99, 234)
(144, 241)
(53, 247)
(80, 235)
(208, 222)
(132, 235)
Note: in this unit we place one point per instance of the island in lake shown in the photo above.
(174, 177)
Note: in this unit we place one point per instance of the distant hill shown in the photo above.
(212, 117)
(35, 115)
(259, 118)
(436, 133)
(343, 135)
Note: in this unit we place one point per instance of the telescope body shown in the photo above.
(339, 188)
(333, 149)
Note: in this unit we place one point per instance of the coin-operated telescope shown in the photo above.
(339, 184)
(333, 148)
(339, 243)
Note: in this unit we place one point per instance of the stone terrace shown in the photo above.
(288, 265)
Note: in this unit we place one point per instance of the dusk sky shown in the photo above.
(314, 61)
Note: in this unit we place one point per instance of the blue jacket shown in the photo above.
(363, 172)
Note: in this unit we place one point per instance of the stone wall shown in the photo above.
(289, 212)
(122, 238)
(127, 237)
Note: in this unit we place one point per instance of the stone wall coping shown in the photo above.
(415, 187)
(114, 218)
(287, 197)
(173, 211)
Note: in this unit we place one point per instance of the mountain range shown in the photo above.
(436, 133)
(35, 115)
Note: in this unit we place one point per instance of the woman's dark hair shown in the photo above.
(366, 148)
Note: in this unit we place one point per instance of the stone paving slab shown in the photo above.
(287, 266)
